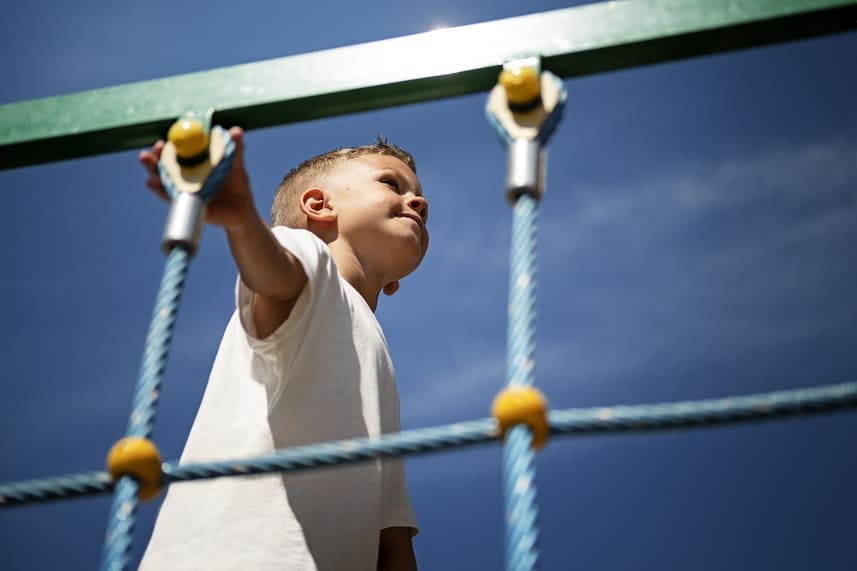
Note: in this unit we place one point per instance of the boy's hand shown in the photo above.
(233, 205)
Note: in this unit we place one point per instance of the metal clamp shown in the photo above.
(524, 108)
(195, 161)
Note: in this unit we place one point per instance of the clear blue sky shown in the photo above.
(698, 238)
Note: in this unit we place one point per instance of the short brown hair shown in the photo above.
(286, 209)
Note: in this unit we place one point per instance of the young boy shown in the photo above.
(303, 360)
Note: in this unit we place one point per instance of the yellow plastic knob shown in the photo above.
(189, 137)
(522, 405)
(139, 458)
(522, 84)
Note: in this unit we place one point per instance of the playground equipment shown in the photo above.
(595, 38)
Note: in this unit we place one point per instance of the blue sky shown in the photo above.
(697, 241)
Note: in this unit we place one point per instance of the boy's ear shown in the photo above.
(391, 287)
(315, 206)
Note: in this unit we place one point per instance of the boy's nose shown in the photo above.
(420, 206)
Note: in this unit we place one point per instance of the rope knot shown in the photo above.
(139, 458)
(522, 405)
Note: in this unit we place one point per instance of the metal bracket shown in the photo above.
(524, 108)
(195, 161)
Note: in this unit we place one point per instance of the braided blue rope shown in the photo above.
(421, 441)
(47, 489)
(518, 464)
(600, 420)
(119, 538)
(689, 414)
(158, 341)
(120, 533)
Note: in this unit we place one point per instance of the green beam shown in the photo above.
(443, 63)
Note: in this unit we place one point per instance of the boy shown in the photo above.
(302, 360)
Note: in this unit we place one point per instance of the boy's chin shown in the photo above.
(409, 257)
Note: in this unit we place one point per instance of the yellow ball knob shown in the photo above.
(522, 84)
(522, 405)
(189, 137)
(139, 458)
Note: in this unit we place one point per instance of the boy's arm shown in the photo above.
(272, 273)
(395, 550)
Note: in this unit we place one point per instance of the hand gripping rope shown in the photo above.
(193, 164)
(524, 108)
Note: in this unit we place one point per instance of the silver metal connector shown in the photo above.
(184, 222)
(525, 169)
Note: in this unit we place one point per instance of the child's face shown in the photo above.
(382, 213)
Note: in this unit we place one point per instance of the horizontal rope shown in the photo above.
(418, 441)
(689, 414)
(635, 418)
(70, 486)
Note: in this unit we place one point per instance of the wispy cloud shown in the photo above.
(459, 389)
(818, 177)
(736, 257)
(747, 256)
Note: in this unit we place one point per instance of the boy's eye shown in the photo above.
(391, 182)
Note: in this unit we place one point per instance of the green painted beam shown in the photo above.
(443, 63)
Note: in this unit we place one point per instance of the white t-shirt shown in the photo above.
(324, 374)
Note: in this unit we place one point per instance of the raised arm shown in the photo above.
(269, 270)
(273, 273)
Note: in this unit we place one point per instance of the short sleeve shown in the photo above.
(272, 357)
(397, 508)
(314, 256)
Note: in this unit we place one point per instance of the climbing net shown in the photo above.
(524, 108)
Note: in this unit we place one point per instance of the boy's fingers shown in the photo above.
(153, 183)
(237, 180)
(149, 158)
(149, 162)
(157, 148)
(237, 134)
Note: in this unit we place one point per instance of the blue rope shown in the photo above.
(157, 347)
(422, 441)
(580, 422)
(47, 489)
(119, 539)
(518, 456)
(689, 414)
(120, 533)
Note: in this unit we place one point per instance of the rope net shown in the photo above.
(519, 472)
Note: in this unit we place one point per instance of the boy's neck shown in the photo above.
(353, 270)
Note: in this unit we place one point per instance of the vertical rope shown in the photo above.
(120, 531)
(518, 467)
(157, 346)
(119, 538)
